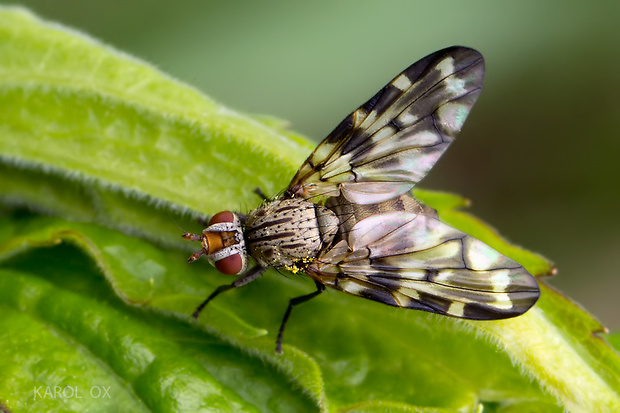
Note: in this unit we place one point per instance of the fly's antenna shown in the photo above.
(177, 223)
(186, 234)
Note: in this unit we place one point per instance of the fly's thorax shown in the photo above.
(289, 233)
(224, 244)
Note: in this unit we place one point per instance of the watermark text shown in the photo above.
(70, 392)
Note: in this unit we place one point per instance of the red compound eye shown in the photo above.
(231, 265)
(224, 216)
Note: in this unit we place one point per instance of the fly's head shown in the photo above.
(222, 243)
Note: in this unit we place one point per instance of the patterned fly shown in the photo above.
(348, 221)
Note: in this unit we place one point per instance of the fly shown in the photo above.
(348, 221)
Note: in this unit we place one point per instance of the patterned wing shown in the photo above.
(414, 261)
(389, 144)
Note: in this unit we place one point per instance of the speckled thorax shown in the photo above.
(289, 233)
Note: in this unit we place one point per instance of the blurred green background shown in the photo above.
(540, 155)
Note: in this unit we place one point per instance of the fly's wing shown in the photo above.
(415, 261)
(389, 144)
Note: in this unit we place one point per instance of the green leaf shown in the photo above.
(614, 340)
(108, 137)
(107, 143)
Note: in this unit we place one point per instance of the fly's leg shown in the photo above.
(293, 302)
(260, 193)
(246, 278)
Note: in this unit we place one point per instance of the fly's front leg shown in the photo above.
(260, 193)
(246, 278)
(293, 302)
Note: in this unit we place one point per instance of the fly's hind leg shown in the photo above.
(246, 278)
(293, 302)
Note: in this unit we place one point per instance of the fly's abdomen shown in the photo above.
(350, 214)
(289, 233)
